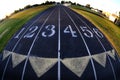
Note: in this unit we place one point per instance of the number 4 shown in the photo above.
(69, 29)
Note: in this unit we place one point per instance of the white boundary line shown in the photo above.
(22, 78)
(116, 53)
(5, 68)
(59, 78)
(101, 45)
(112, 67)
(85, 45)
(108, 58)
(17, 44)
(26, 31)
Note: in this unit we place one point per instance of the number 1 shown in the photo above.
(17, 36)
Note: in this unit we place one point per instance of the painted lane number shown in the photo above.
(98, 33)
(69, 29)
(18, 35)
(30, 34)
(86, 32)
(49, 32)
(89, 33)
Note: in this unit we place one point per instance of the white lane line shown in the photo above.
(33, 45)
(112, 68)
(18, 43)
(26, 31)
(101, 45)
(108, 58)
(3, 33)
(117, 56)
(59, 78)
(116, 53)
(5, 68)
(85, 45)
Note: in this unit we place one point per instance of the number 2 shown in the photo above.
(32, 32)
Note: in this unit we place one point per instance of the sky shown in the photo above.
(8, 6)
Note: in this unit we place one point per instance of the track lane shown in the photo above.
(88, 24)
(105, 45)
(26, 40)
(71, 42)
(44, 46)
(19, 34)
(84, 41)
(61, 38)
(32, 45)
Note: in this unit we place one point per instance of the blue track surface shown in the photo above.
(59, 44)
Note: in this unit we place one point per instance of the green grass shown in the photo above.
(110, 30)
(15, 22)
(9, 26)
(88, 10)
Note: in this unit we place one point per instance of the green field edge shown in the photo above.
(11, 25)
(109, 29)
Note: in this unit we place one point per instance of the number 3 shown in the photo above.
(50, 31)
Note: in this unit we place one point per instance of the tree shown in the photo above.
(88, 6)
(119, 19)
(62, 2)
(119, 14)
(28, 6)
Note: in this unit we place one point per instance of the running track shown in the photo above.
(59, 44)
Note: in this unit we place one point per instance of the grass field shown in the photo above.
(111, 31)
(9, 26)
(15, 22)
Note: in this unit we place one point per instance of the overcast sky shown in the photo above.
(8, 6)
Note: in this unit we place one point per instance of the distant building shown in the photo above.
(96, 10)
(67, 4)
(113, 17)
(107, 14)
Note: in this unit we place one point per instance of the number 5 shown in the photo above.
(86, 31)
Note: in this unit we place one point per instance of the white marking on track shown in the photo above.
(33, 45)
(101, 45)
(59, 78)
(26, 31)
(5, 67)
(85, 45)
(112, 67)
(17, 44)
